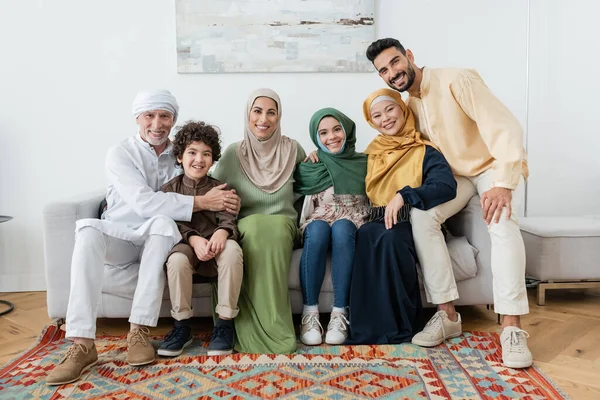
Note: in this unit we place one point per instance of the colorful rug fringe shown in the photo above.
(468, 367)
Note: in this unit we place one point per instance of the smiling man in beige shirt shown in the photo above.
(483, 143)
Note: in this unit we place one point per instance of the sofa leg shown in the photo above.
(543, 286)
(491, 307)
(541, 294)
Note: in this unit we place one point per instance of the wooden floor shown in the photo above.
(565, 334)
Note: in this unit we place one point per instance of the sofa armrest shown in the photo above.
(58, 220)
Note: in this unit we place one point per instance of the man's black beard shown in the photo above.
(410, 79)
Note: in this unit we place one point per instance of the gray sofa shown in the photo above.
(117, 291)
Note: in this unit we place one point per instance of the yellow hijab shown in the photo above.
(394, 161)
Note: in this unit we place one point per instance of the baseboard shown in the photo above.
(22, 283)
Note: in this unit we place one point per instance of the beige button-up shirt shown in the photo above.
(471, 127)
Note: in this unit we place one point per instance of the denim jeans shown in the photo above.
(318, 238)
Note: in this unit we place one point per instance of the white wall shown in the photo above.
(564, 108)
(70, 70)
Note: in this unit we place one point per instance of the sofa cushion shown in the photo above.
(120, 280)
(462, 256)
(561, 226)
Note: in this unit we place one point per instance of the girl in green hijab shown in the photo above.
(334, 208)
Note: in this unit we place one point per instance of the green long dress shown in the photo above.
(267, 228)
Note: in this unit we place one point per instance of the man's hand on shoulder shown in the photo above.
(492, 203)
(218, 198)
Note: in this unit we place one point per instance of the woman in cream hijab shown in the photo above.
(403, 171)
(260, 168)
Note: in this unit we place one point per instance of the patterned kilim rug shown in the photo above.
(468, 367)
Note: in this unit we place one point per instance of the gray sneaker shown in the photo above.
(337, 330)
(139, 348)
(311, 330)
(438, 329)
(71, 366)
(515, 353)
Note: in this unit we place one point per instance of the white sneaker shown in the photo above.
(337, 329)
(438, 329)
(515, 353)
(311, 332)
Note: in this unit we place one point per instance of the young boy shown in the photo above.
(208, 246)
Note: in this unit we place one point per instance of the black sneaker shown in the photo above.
(176, 340)
(221, 340)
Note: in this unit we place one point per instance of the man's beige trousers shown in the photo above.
(508, 250)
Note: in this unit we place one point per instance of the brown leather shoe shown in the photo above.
(71, 366)
(139, 349)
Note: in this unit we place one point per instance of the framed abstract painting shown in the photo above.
(224, 36)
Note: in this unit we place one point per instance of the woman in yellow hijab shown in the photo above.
(403, 171)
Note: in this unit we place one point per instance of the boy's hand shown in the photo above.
(217, 241)
(201, 247)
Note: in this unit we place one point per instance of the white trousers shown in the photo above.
(508, 250)
(92, 250)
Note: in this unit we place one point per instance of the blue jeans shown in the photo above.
(318, 238)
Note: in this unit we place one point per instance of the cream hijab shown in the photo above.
(268, 163)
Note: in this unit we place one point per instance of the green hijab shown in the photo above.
(345, 171)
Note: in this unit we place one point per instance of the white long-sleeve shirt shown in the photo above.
(135, 173)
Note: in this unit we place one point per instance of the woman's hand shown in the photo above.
(312, 157)
(392, 209)
(218, 198)
(201, 247)
(217, 241)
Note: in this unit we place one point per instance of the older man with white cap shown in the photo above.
(136, 226)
